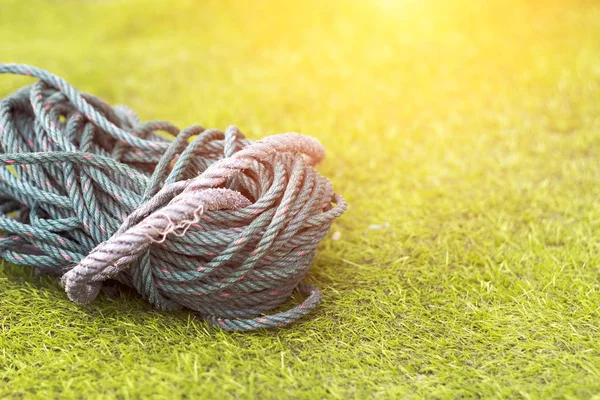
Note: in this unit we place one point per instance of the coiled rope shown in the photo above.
(208, 220)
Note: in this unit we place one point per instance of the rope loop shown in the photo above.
(201, 219)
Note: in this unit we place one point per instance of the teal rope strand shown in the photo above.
(208, 220)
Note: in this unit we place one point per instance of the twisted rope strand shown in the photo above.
(209, 220)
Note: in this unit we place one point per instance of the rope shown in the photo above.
(206, 220)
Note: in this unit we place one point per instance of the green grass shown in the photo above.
(472, 130)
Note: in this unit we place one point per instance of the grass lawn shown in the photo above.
(464, 134)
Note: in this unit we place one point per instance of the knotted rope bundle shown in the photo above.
(209, 220)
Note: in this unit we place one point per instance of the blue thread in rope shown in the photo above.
(208, 221)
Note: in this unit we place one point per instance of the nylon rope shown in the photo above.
(201, 219)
